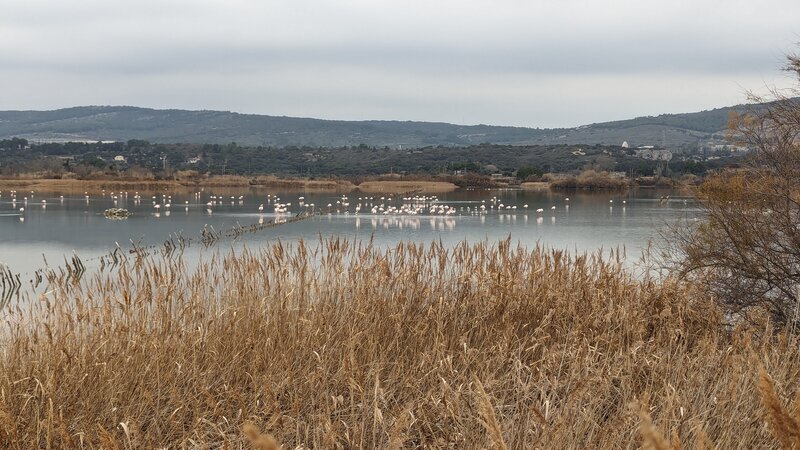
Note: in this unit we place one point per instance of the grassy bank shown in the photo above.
(331, 345)
(393, 187)
(232, 181)
(535, 186)
(303, 183)
(87, 185)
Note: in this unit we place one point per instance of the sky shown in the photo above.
(545, 63)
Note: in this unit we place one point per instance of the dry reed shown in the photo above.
(395, 187)
(335, 344)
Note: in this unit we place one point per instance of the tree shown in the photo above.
(746, 253)
(523, 173)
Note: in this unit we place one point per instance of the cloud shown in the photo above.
(502, 61)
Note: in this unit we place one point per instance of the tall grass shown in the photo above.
(334, 344)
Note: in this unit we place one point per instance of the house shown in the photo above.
(120, 159)
(648, 152)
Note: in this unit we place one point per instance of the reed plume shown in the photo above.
(341, 344)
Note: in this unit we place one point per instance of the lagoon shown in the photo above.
(55, 225)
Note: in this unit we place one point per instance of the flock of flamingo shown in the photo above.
(386, 205)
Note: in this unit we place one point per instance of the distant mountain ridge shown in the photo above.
(122, 123)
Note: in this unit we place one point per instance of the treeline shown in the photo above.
(17, 156)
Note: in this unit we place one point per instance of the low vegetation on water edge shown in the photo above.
(423, 184)
(405, 186)
(335, 344)
(591, 179)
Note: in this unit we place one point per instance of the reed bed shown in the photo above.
(336, 344)
(403, 186)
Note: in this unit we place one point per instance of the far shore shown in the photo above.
(395, 187)
(535, 186)
(302, 184)
(588, 181)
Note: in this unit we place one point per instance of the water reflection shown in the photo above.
(73, 221)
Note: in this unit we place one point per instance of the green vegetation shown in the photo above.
(591, 179)
(96, 160)
(121, 123)
(527, 172)
(711, 121)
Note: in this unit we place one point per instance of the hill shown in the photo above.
(122, 123)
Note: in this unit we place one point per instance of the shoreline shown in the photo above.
(262, 182)
(343, 185)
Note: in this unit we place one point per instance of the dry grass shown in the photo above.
(393, 187)
(338, 345)
(217, 181)
(86, 185)
(535, 185)
(339, 185)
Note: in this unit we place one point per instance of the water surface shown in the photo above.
(52, 228)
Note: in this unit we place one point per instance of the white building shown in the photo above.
(653, 154)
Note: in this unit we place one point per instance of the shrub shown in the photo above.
(590, 179)
(746, 254)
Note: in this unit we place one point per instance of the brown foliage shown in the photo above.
(747, 252)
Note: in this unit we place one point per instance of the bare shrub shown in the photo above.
(746, 253)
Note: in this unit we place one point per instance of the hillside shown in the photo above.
(122, 123)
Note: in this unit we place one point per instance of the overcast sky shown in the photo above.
(531, 63)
